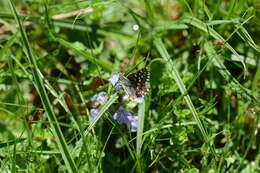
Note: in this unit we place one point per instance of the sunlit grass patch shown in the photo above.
(129, 86)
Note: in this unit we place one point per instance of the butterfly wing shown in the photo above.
(138, 81)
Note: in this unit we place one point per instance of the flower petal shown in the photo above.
(101, 97)
(133, 122)
(114, 78)
(93, 113)
(93, 98)
(121, 116)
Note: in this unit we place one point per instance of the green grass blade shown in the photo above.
(233, 82)
(203, 27)
(8, 45)
(139, 136)
(70, 164)
(103, 109)
(174, 73)
(242, 32)
(104, 64)
(141, 117)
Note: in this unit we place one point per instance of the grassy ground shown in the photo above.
(200, 113)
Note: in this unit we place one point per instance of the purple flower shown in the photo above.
(124, 117)
(115, 81)
(133, 123)
(100, 98)
(121, 116)
(117, 86)
(93, 98)
(114, 78)
(93, 113)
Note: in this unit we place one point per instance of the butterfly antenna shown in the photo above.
(147, 59)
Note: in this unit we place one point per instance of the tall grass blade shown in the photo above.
(103, 109)
(139, 138)
(38, 82)
(233, 82)
(204, 27)
(104, 64)
(174, 73)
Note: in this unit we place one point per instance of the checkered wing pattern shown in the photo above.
(138, 81)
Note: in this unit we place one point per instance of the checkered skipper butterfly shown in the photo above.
(135, 84)
(138, 81)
